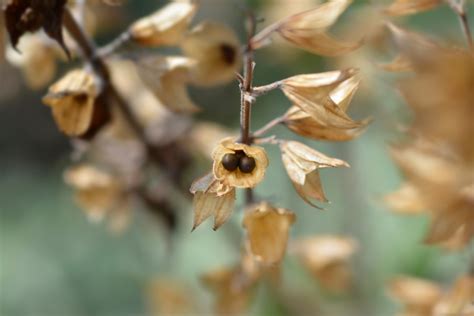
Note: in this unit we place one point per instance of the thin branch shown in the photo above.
(115, 45)
(267, 127)
(172, 164)
(259, 91)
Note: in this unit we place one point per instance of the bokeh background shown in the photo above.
(54, 262)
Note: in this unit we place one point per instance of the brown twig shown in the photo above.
(158, 156)
(246, 98)
(267, 127)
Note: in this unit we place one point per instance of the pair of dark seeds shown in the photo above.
(238, 160)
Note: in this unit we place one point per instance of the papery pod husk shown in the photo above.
(170, 297)
(72, 101)
(212, 197)
(167, 77)
(267, 231)
(304, 160)
(97, 192)
(216, 50)
(303, 124)
(307, 29)
(237, 178)
(165, 27)
(312, 94)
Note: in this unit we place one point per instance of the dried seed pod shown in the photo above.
(212, 197)
(166, 26)
(238, 178)
(308, 30)
(72, 100)
(216, 50)
(268, 230)
(302, 164)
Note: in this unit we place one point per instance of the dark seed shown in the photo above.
(247, 164)
(230, 161)
(228, 53)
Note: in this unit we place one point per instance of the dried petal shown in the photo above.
(97, 192)
(166, 26)
(405, 7)
(167, 78)
(312, 94)
(268, 229)
(211, 197)
(216, 49)
(72, 101)
(307, 29)
(237, 178)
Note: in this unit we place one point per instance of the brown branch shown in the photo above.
(267, 127)
(159, 156)
(246, 98)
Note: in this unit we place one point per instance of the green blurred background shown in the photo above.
(54, 262)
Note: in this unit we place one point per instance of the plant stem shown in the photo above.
(246, 98)
(172, 165)
(263, 130)
(115, 45)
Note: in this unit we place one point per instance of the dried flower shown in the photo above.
(302, 164)
(318, 94)
(267, 228)
(216, 49)
(212, 197)
(167, 78)
(72, 101)
(308, 30)
(327, 259)
(303, 123)
(239, 165)
(99, 194)
(166, 26)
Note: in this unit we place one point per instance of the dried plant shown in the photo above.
(438, 161)
(128, 113)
